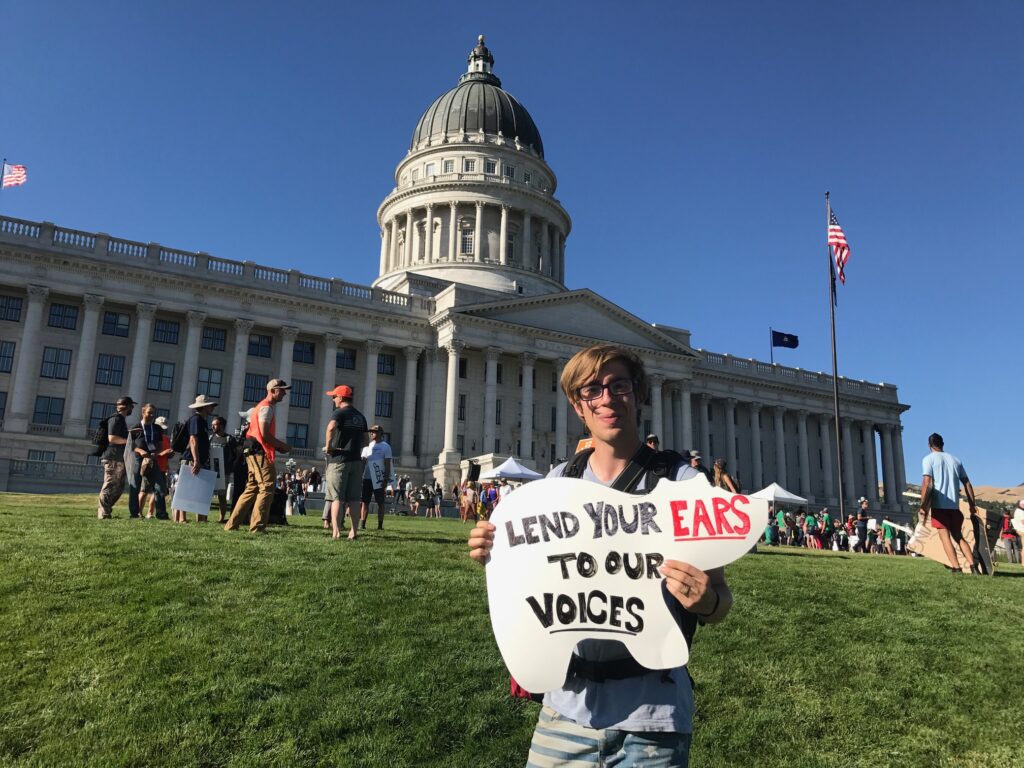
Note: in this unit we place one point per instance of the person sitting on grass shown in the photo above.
(611, 710)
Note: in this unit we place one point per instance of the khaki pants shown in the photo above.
(113, 486)
(257, 496)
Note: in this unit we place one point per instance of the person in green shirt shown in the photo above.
(888, 534)
(827, 528)
(811, 540)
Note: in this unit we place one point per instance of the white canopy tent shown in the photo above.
(776, 494)
(511, 469)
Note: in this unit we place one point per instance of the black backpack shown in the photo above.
(100, 441)
(179, 437)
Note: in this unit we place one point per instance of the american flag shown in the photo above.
(837, 240)
(14, 175)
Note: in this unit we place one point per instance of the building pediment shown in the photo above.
(581, 314)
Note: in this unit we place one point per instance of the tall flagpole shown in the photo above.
(835, 366)
(771, 345)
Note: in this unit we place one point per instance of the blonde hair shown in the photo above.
(583, 367)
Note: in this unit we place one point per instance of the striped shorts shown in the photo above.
(559, 742)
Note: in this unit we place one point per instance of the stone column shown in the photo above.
(779, 414)
(77, 423)
(449, 454)
(190, 366)
(684, 396)
(369, 401)
(867, 434)
(490, 396)
(409, 405)
(705, 428)
(434, 392)
(26, 375)
(328, 374)
(393, 247)
(235, 394)
(478, 246)
(901, 470)
(561, 257)
(667, 414)
(384, 249)
(851, 492)
(527, 246)
(526, 415)
(730, 435)
(888, 470)
(678, 443)
(757, 470)
(453, 230)
(140, 351)
(428, 233)
(656, 382)
(503, 235)
(407, 256)
(288, 335)
(545, 249)
(805, 467)
(826, 436)
(561, 413)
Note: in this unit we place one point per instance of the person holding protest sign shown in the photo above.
(943, 475)
(610, 708)
(376, 475)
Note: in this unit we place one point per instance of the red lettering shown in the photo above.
(701, 518)
(678, 508)
(721, 506)
(744, 525)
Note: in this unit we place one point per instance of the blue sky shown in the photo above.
(697, 139)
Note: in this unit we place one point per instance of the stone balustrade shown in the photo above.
(155, 256)
(779, 373)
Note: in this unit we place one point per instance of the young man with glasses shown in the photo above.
(610, 708)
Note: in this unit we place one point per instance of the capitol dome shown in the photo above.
(477, 105)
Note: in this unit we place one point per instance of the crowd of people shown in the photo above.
(860, 533)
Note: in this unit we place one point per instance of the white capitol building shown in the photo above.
(455, 349)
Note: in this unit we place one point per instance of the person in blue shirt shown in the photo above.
(940, 497)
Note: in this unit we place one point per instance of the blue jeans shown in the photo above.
(558, 741)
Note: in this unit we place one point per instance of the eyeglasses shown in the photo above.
(615, 388)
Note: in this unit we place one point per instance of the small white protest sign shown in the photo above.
(574, 560)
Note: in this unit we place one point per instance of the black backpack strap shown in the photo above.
(577, 464)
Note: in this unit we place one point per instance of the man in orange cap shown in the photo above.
(343, 444)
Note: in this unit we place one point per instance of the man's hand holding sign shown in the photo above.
(596, 584)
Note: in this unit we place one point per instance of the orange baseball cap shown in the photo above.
(342, 390)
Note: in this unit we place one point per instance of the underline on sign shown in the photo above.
(709, 538)
(587, 629)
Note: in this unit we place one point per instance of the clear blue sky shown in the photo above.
(696, 139)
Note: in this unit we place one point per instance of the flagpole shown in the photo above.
(835, 366)
(771, 345)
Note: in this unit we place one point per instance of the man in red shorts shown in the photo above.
(940, 495)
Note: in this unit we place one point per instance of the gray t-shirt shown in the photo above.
(652, 702)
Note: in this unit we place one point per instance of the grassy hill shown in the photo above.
(146, 643)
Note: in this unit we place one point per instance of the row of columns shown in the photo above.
(892, 464)
(402, 251)
(449, 452)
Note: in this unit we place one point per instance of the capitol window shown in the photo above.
(510, 172)
(431, 170)
(115, 324)
(56, 363)
(527, 177)
(469, 165)
(467, 241)
(415, 174)
(490, 166)
(448, 166)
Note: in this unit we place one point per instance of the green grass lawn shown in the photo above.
(144, 643)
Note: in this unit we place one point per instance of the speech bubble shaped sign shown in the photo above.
(574, 560)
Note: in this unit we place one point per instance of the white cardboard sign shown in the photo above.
(574, 560)
(193, 493)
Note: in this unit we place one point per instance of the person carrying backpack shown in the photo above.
(112, 458)
(610, 708)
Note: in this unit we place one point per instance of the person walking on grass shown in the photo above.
(943, 475)
(113, 461)
(229, 446)
(261, 446)
(377, 471)
(611, 710)
(152, 449)
(196, 455)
